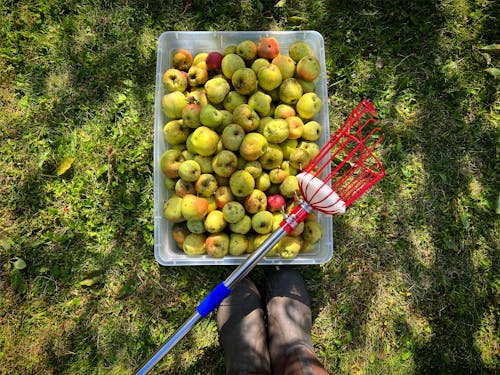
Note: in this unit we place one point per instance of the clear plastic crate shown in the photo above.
(166, 250)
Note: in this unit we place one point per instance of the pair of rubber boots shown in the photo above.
(269, 335)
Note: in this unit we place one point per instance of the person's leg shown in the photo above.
(289, 324)
(242, 331)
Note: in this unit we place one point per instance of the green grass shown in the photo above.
(413, 286)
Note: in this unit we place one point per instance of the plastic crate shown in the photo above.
(165, 248)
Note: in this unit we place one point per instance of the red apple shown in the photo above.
(268, 48)
(213, 61)
(275, 202)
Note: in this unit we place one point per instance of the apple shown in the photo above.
(173, 103)
(256, 201)
(203, 141)
(299, 228)
(172, 209)
(259, 63)
(246, 117)
(206, 185)
(244, 81)
(194, 244)
(295, 127)
(182, 59)
(307, 247)
(238, 244)
(277, 175)
(169, 183)
(197, 95)
(307, 86)
(299, 158)
(253, 146)
(231, 48)
(197, 75)
(268, 48)
(243, 226)
(263, 182)
(308, 68)
(272, 158)
(241, 183)
(247, 49)
(312, 231)
(200, 59)
(179, 233)
(223, 195)
(275, 202)
(233, 211)
(205, 163)
(299, 49)
(232, 136)
(184, 187)
(308, 105)
(216, 88)
(312, 148)
(269, 77)
(283, 111)
(288, 146)
(211, 116)
(285, 64)
(276, 130)
(262, 222)
(170, 161)
(288, 168)
(194, 207)
(174, 80)
(253, 167)
(225, 163)
(214, 222)
(261, 103)
(289, 187)
(191, 115)
(175, 132)
(311, 131)
(217, 245)
(212, 204)
(289, 247)
(290, 91)
(233, 99)
(231, 63)
(214, 61)
(196, 226)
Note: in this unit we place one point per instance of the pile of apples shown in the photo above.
(240, 127)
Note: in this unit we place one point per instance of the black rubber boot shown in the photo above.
(242, 331)
(289, 323)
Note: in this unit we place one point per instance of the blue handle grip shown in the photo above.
(213, 299)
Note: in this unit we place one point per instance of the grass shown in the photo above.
(413, 286)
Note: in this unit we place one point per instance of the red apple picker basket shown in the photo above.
(355, 169)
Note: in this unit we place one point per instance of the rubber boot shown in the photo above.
(289, 324)
(242, 331)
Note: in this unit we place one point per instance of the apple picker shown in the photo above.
(356, 169)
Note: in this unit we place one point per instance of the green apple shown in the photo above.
(189, 170)
(194, 244)
(312, 148)
(173, 103)
(253, 146)
(211, 116)
(308, 105)
(299, 49)
(256, 201)
(175, 132)
(243, 226)
(233, 211)
(169, 183)
(283, 110)
(244, 81)
(247, 49)
(225, 163)
(231, 63)
(277, 175)
(223, 195)
(246, 117)
(288, 146)
(197, 75)
(241, 183)
(259, 63)
(172, 209)
(233, 99)
(229, 49)
(261, 103)
(269, 77)
(312, 231)
(238, 244)
(311, 131)
(217, 88)
(253, 167)
(184, 187)
(289, 247)
(286, 65)
(232, 136)
(299, 158)
(196, 226)
(203, 141)
(174, 80)
(276, 130)
(217, 245)
(272, 158)
(194, 207)
(197, 95)
(205, 163)
(290, 91)
(289, 187)
(191, 115)
(200, 59)
(170, 161)
(263, 182)
(308, 68)
(307, 86)
(214, 222)
(206, 185)
(262, 222)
